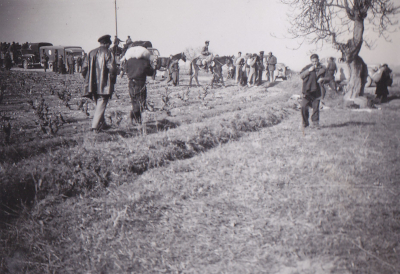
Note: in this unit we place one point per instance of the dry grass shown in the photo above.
(233, 191)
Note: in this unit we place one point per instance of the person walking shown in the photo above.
(383, 79)
(271, 65)
(100, 72)
(312, 76)
(136, 69)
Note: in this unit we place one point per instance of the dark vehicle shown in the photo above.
(53, 52)
(30, 57)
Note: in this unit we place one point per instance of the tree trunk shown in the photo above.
(358, 78)
(358, 69)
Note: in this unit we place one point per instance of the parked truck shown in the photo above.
(30, 57)
(54, 52)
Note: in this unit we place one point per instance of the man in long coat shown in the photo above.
(383, 79)
(100, 71)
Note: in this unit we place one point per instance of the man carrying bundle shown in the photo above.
(137, 66)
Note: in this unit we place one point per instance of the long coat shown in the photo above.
(384, 75)
(100, 72)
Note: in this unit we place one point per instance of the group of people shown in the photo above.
(9, 53)
(249, 69)
(100, 72)
(99, 68)
(315, 76)
(61, 66)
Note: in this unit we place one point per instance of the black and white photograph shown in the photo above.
(200, 136)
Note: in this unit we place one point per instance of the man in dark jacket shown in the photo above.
(271, 65)
(100, 71)
(313, 77)
(136, 71)
(45, 61)
(384, 74)
(60, 65)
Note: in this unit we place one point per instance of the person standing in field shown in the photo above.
(383, 79)
(71, 63)
(260, 68)
(331, 71)
(271, 65)
(45, 61)
(238, 67)
(7, 61)
(312, 76)
(251, 78)
(100, 72)
(79, 64)
(60, 65)
(137, 68)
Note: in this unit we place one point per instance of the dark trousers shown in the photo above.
(259, 78)
(138, 93)
(332, 84)
(305, 104)
(71, 68)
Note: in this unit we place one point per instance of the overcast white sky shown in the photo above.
(172, 26)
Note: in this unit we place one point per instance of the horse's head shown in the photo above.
(183, 57)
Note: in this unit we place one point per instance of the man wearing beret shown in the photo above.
(100, 72)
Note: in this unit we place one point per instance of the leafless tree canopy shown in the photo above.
(318, 21)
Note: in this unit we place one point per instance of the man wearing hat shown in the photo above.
(271, 63)
(206, 56)
(100, 72)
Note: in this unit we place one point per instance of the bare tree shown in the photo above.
(321, 21)
(192, 53)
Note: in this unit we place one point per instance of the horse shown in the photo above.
(164, 62)
(217, 64)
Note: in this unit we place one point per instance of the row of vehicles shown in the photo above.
(32, 56)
